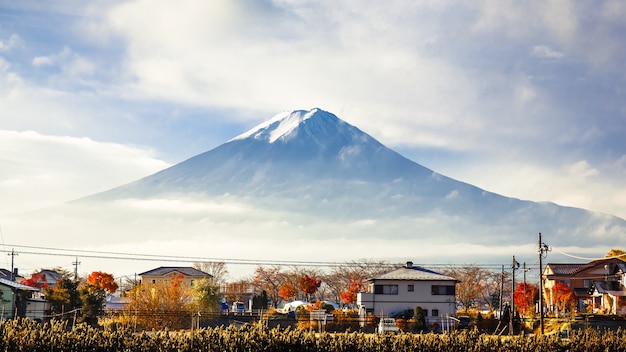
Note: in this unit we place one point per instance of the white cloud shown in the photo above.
(43, 61)
(577, 184)
(41, 170)
(613, 10)
(72, 64)
(560, 17)
(581, 170)
(453, 194)
(13, 41)
(545, 52)
(162, 228)
(281, 58)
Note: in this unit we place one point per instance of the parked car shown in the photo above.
(387, 325)
(238, 308)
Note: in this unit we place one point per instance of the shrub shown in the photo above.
(22, 335)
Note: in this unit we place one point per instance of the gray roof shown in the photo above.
(6, 274)
(17, 286)
(185, 270)
(414, 273)
(611, 287)
(573, 269)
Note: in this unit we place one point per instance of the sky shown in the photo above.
(525, 99)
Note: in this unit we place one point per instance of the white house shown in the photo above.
(406, 288)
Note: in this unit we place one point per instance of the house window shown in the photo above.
(154, 281)
(564, 282)
(435, 312)
(587, 283)
(192, 283)
(385, 289)
(411, 288)
(441, 290)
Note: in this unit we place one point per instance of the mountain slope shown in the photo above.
(313, 163)
(318, 146)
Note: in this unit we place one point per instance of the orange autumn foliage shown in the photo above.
(350, 295)
(102, 280)
(36, 281)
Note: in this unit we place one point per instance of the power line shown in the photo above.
(583, 258)
(65, 252)
(158, 257)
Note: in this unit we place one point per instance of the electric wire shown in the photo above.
(65, 252)
(584, 258)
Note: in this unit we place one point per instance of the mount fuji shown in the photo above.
(311, 175)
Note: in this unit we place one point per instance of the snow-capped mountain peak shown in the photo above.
(318, 169)
(280, 125)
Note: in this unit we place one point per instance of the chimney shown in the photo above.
(409, 265)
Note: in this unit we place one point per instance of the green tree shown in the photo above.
(420, 319)
(260, 301)
(64, 297)
(206, 294)
(93, 295)
(92, 304)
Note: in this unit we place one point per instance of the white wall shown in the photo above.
(387, 304)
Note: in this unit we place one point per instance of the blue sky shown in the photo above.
(525, 99)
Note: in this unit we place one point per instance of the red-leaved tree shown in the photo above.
(287, 291)
(350, 295)
(36, 280)
(102, 280)
(525, 297)
(564, 297)
(309, 285)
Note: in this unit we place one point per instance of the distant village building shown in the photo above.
(406, 288)
(17, 300)
(188, 275)
(599, 285)
(50, 276)
(10, 275)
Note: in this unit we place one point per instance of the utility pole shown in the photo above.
(12, 254)
(76, 263)
(524, 270)
(543, 250)
(501, 290)
(514, 266)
